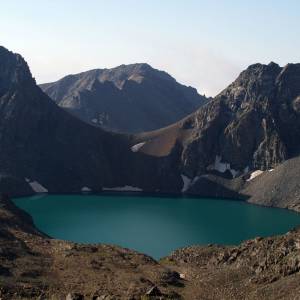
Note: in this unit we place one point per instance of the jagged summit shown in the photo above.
(119, 75)
(127, 98)
(265, 72)
(253, 124)
(13, 70)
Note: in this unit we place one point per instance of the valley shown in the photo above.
(241, 145)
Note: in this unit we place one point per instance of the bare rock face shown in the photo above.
(253, 124)
(129, 98)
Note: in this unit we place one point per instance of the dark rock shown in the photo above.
(154, 291)
(171, 277)
(74, 296)
(4, 271)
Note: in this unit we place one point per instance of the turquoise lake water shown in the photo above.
(153, 225)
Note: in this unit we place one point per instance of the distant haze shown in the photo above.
(204, 44)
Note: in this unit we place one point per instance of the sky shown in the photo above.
(201, 43)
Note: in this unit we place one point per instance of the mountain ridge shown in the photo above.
(251, 125)
(128, 98)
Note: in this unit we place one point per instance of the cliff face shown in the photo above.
(128, 98)
(34, 266)
(251, 126)
(43, 147)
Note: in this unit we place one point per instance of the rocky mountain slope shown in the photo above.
(249, 128)
(43, 148)
(243, 144)
(227, 148)
(128, 98)
(34, 266)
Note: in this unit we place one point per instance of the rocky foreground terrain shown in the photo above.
(34, 266)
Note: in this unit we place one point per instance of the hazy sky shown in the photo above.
(204, 44)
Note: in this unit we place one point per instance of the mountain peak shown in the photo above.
(13, 70)
(263, 68)
(127, 98)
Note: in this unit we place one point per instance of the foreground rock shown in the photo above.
(263, 268)
(34, 266)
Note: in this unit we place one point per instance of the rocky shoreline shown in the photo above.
(34, 266)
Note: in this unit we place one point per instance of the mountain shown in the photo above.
(35, 266)
(129, 98)
(243, 144)
(249, 128)
(44, 148)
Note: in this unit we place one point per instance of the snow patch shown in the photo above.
(126, 188)
(37, 187)
(86, 189)
(219, 166)
(246, 170)
(271, 170)
(94, 121)
(255, 174)
(195, 179)
(186, 183)
(137, 147)
(233, 172)
(223, 167)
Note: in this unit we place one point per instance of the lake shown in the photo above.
(153, 225)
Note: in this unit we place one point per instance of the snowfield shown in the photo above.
(126, 188)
